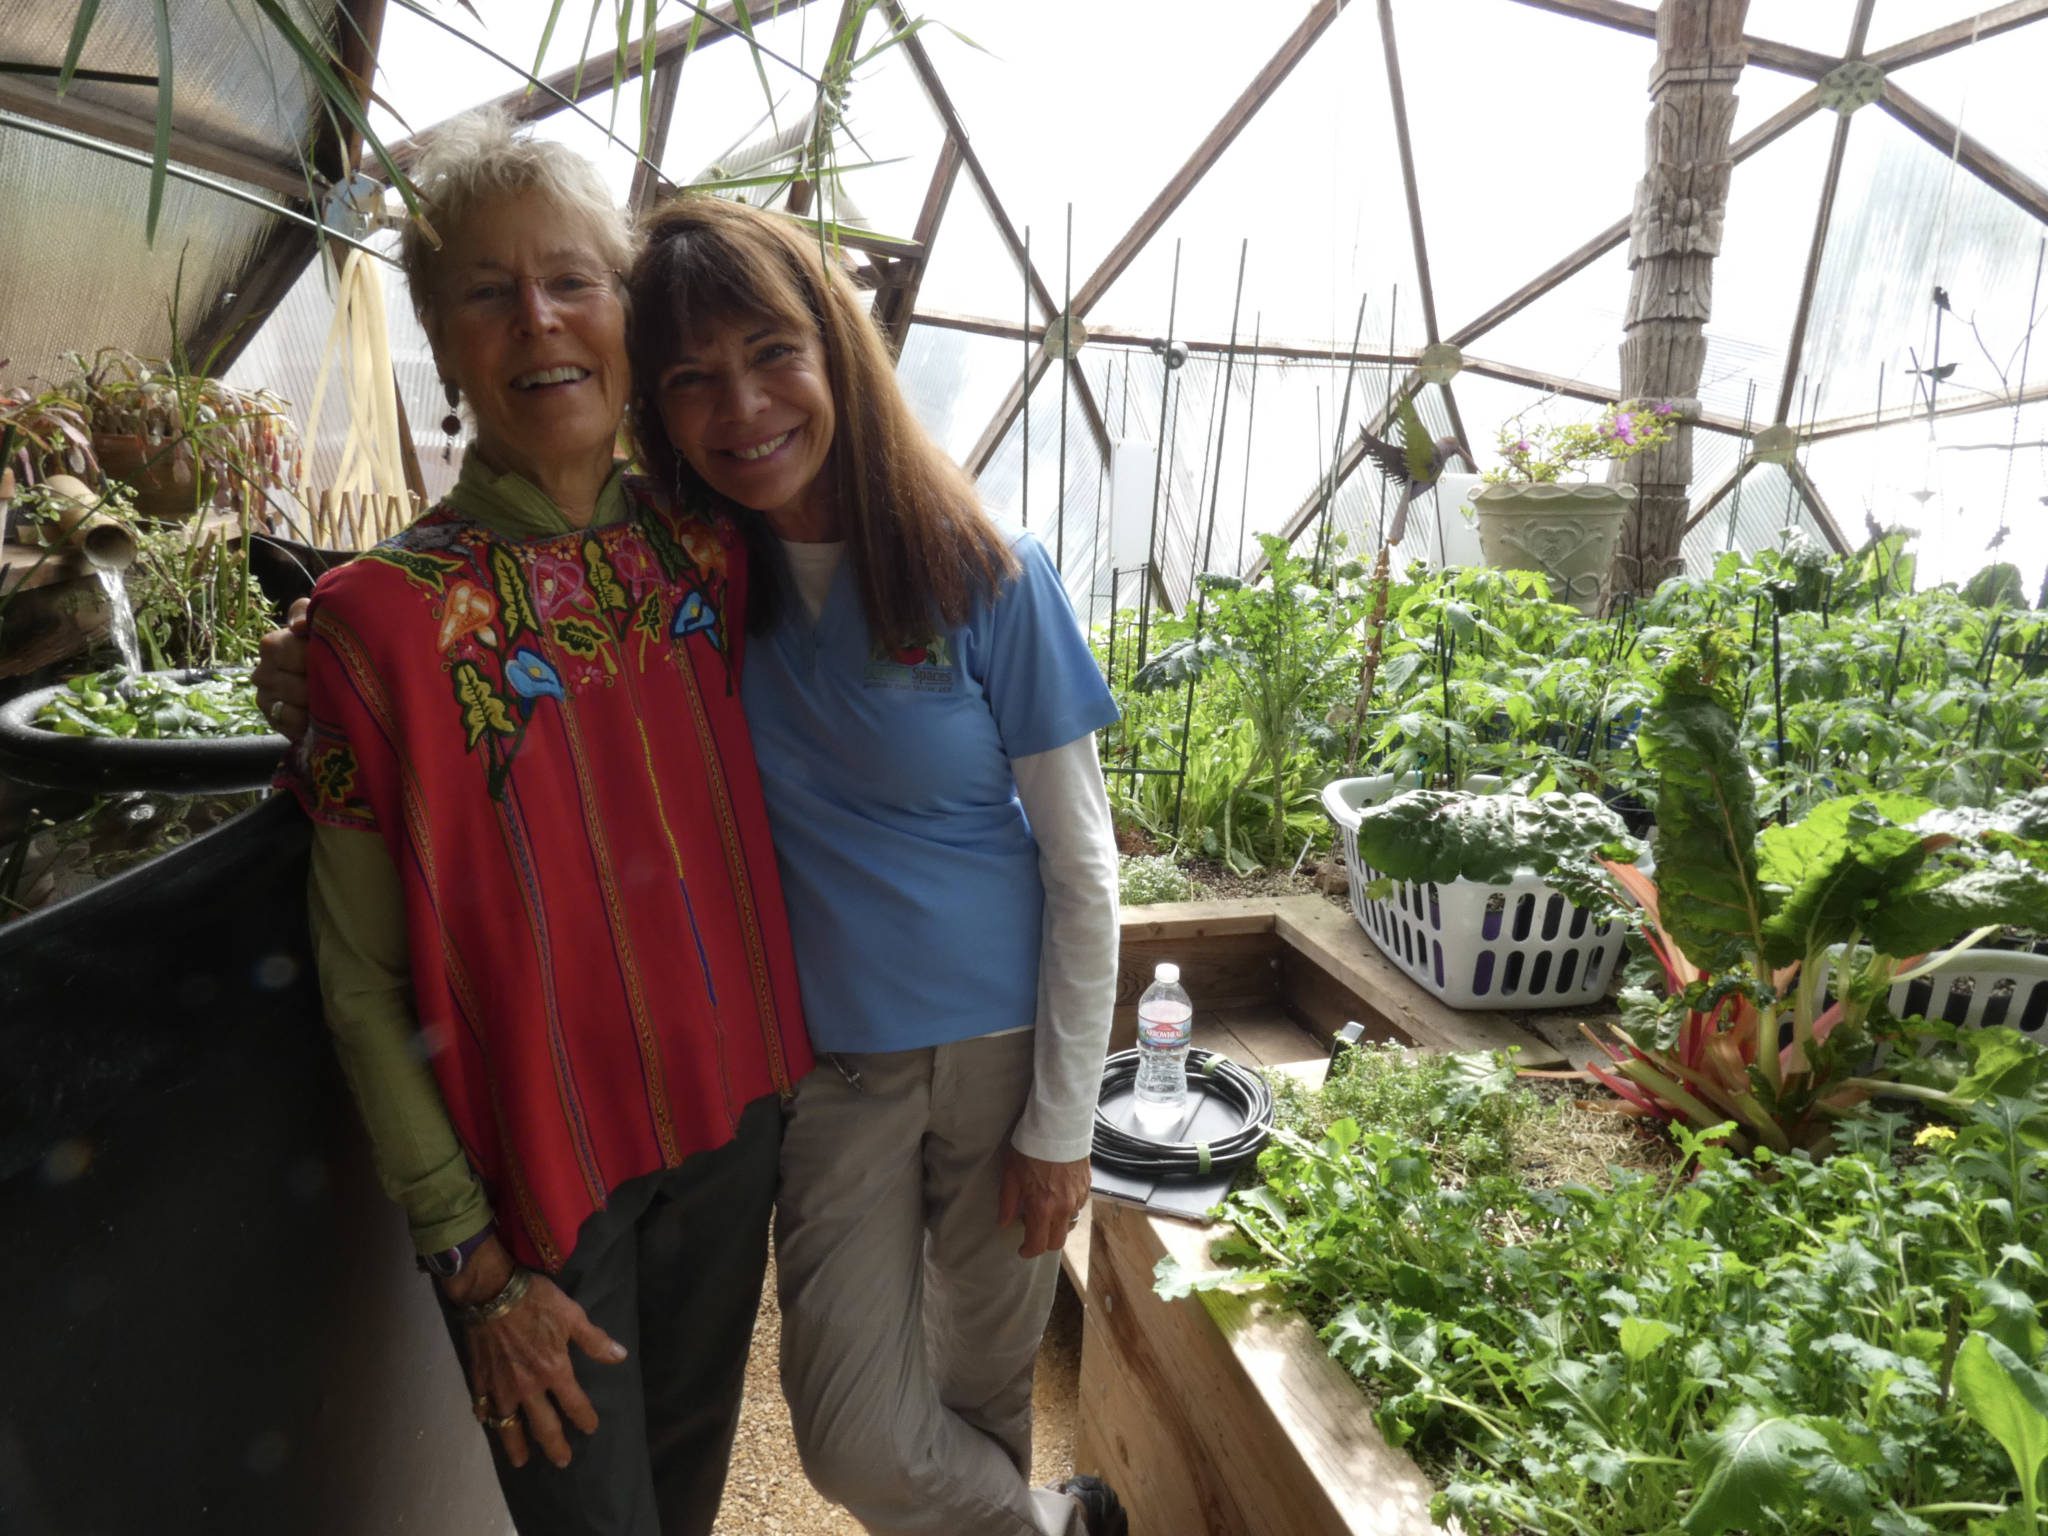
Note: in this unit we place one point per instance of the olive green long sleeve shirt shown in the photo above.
(359, 945)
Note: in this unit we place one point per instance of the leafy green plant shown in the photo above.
(1463, 1107)
(1444, 835)
(147, 707)
(1733, 1344)
(196, 603)
(1281, 647)
(1144, 879)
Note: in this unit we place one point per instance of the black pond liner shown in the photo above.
(197, 765)
(218, 1322)
(150, 970)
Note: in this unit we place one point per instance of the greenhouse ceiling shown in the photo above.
(1384, 176)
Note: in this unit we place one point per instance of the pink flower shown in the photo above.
(1624, 428)
(1666, 408)
(558, 584)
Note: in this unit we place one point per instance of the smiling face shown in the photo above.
(526, 320)
(748, 404)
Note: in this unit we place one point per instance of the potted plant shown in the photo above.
(183, 441)
(41, 434)
(1537, 513)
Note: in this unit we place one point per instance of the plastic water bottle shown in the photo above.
(1166, 1022)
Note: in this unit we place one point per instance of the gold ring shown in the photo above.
(480, 1405)
(510, 1421)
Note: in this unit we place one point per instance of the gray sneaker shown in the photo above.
(1101, 1510)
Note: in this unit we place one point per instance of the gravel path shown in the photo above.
(765, 1493)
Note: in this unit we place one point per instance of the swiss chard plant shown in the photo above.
(1779, 944)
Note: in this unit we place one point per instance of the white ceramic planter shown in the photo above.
(1566, 531)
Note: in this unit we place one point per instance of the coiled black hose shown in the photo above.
(1125, 1151)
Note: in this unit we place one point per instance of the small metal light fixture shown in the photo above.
(1439, 363)
(1066, 336)
(1173, 353)
(1774, 445)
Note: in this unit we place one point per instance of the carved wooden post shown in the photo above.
(1674, 234)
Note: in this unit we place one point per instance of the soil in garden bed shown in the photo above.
(1321, 876)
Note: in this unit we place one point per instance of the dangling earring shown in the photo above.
(451, 424)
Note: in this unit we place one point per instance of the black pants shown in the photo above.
(672, 1269)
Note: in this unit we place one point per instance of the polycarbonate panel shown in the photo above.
(1821, 25)
(731, 96)
(1714, 457)
(1468, 68)
(1066, 518)
(1760, 94)
(1314, 182)
(1907, 221)
(1955, 487)
(890, 119)
(234, 80)
(77, 275)
(1573, 331)
(1765, 237)
(428, 72)
(603, 133)
(954, 380)
(1992, 91)
(1099, 106)
(1760, 514)
(971, 270)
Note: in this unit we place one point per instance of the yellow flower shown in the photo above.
(1933, 1135)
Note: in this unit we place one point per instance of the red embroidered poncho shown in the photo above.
(547, 733)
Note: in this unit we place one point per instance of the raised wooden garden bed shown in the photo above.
(1223, 1415)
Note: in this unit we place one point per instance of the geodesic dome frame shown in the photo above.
(1857, 191)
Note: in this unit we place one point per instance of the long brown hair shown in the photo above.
(922, 548)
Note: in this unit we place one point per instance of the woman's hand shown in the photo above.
(280, 675)
(1047, 1196)
(519, 1362)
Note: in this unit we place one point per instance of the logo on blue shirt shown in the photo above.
(926, 667)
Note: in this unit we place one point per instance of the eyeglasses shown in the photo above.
(497, 297)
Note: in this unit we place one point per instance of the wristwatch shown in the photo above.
(447, 1263)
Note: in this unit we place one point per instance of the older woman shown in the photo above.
(549, 929)
(923, 706)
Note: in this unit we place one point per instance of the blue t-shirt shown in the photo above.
(909, 870)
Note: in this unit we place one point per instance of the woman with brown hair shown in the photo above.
(923, 704)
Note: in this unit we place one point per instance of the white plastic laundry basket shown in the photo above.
(1981, 987)
(1519, 945)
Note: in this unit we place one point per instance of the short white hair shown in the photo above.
(479, 157)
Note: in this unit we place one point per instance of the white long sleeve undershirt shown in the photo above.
(1068, 808)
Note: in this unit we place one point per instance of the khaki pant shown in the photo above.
(909, 1324)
